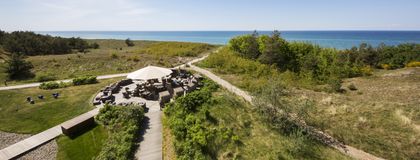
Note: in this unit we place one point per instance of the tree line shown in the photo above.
(19, 44)
(322, 64)
(30, 43)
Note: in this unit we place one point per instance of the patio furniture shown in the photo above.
(164, 97)
(96, 102)
(178, 91)
(126, 95)
(55, 95)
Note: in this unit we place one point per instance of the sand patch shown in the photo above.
(327, 100)
(399, 114)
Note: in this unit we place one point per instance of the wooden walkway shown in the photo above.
(151, 136)
(34, 141)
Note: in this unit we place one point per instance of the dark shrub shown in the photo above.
(84, 80)
(49, 85)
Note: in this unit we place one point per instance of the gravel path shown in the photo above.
(47, 151)
(7, 139)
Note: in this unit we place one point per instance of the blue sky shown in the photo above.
(139, 15)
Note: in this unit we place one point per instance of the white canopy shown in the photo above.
(149, 72)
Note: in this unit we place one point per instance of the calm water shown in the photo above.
(335, 39)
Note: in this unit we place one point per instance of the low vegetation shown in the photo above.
(176, 49)
(322, 65)
(30, 43)
(19, 116)
(112, 57)
(213, 124)
(75, 82)
(84, 80)
(377, 113)
(123, 124)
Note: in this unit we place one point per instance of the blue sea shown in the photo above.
(333, 39)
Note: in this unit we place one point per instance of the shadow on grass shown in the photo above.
(85, 129)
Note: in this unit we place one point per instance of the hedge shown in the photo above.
(84, 80)
(123, 124)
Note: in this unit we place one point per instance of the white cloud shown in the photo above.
(82, 14)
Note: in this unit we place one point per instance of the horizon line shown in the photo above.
(286, 30)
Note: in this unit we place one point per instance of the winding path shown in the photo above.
(151, 140)
(30, 85)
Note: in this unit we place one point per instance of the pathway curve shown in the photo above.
(348, 150)
(30, 85)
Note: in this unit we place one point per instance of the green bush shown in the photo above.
(187, 118)
(85, 80)
(123, 124)
(49, 85)
(114, 55)
(54, 85)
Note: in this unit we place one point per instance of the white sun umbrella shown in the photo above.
(149, 72)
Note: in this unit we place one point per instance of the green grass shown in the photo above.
(238, 131)
(381, 117)
(18, 116)
(258, 139)
(174, 49)
(109, 59)
(84, 147)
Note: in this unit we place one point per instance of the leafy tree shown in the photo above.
(17, 67)
(247, 45)
(129, 42)
(275, 50)
(2, 37)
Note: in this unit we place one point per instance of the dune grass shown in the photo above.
(258, 140)
(112, 57)
(380, 117)
(175, 49)
(255, 139)
(84, 147)
(18, 116)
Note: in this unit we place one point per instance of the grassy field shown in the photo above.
(112, 57)
(18, 116)
(257, 140)
(381, 117)
(83, 147)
